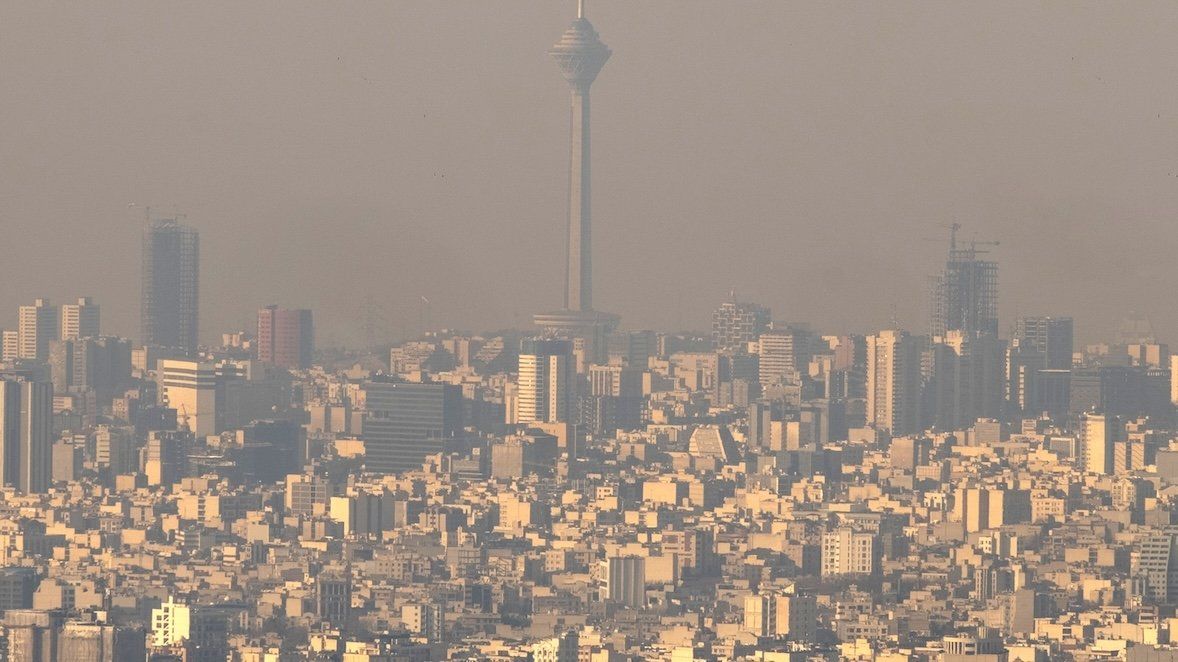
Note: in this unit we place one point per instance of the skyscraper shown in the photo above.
(26, 433)
(1098, 432)
(38, 327)
(545, 381)
(893, 382)
(80, 320)
(285, 337)
(580, 54)
(965, 294)
(170, 288)
(406, 422)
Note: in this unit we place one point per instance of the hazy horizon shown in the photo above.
(808, 156)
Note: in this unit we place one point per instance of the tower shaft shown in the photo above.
(579, 275)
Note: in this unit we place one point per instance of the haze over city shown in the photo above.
(805, 155)
(588, 332)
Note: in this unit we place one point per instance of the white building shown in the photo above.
(545, 382)
(80, 320)
(38, 326)
(190, 387)
(893, 382)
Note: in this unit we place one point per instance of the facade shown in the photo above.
(782, 352)
(38, 326)
(626, 581)
(848, 552)
(965, 294)
(170, 295)
(1050, 337)
(285, 337)
(190, 388)
(80, 320)
(735, 324)
(1098, 433)
(545, 382)
(893, 382)
(26, 434)
(406, 422)
(9, 345)
(1157, 565)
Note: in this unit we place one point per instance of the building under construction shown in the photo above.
(169, 301)
(965, 294)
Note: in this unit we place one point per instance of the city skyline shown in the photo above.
(343, 433)
(819, 236)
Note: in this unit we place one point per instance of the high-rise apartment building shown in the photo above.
(26, 433)
(1157, 565)
(848, 552)
(793, 616)
(626, 581)
(80, 320)
(285, 337)
(735, 324)
(406, 422)
(967, 379)
(1098, 434)
(190, 388)
(782, 352)
(546, 372)
(38, 327)
(169, 303)
(9, 345)
(893, 382)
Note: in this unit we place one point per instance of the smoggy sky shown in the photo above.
(346, 156)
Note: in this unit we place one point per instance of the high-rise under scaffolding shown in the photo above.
(965, 294)
(169, 301)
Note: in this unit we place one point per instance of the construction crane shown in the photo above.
(184, 417)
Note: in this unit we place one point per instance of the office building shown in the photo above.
(405, 423)
(80, 320)
(1050, 337)
(115, 450)
(893, 382)
(190, 388)
(545, 393)
(26, 434)
(38, 326)
(170, 295)
(285, 337)
(165, 456)
(617, 394)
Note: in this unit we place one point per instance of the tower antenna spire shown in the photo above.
(580, 8)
